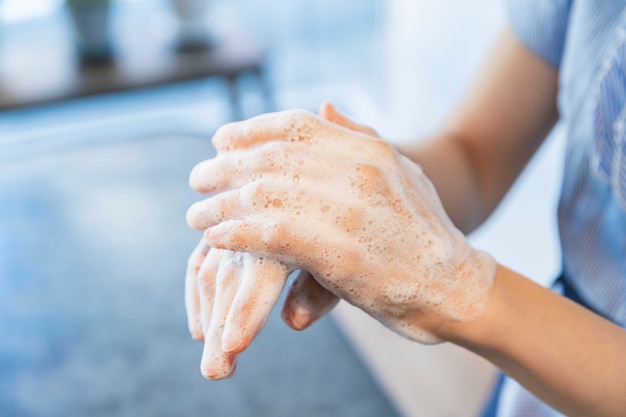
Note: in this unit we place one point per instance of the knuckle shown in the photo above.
(301, 114)
(353, 221)
(273, 152)
(223, 138)
(352, 261)
(370, 180)
(368, 171)
(223, 205)
(276, 237)
(384, 149)
(206, 283)
(253, 194)
(300, 119)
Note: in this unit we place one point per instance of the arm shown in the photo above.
(566, 355)
(475, 158)
(370, 228)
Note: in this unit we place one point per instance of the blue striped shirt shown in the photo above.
(586, 41)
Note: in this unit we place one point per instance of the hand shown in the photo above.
(347, 207)
(229, 296)
(209, 268)
(232, 276)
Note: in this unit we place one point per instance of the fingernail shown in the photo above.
(197, 335)
(301, 318)
(217, 368)
(230, 345)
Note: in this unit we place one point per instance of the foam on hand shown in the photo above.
(363, 219)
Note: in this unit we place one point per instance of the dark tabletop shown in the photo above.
(39, 63)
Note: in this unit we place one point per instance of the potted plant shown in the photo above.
(91, 28)
(193, 33)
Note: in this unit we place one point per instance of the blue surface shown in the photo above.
(92, 254)
(93, 247)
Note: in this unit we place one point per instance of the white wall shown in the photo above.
(431, 50)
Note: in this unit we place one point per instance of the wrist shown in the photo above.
(482, 329)
(458, 303)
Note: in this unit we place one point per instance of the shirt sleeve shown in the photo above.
(541, 25)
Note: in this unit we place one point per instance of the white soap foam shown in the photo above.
(376, 232)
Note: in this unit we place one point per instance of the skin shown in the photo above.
(305, 303)
(565, 354)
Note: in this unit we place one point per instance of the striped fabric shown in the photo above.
(544, 31)
(586, 41)
(609, 108)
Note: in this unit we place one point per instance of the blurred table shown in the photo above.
(93, 245)
(38, 63)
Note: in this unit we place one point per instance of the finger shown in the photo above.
(231, 170)
(225, 172)
(372, 151)
(192, 300)
(294, 246)
(329, 112)
(267, 127)
(261, 198)
(215, 363)
(284, 201)
(216, 209)
(262, 283)
(252, 237)
(294, 127)
(307, 302)
(271, 162)
(205, 284)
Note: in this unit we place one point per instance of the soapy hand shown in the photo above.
(305, 303)
(304, 193)
(241, 289)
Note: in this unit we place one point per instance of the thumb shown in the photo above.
(330, 113)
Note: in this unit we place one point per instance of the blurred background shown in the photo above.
(104, 108)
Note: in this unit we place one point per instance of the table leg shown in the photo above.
(266, 88)
(234, 97)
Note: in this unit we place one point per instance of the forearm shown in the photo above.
(566, 355)
(448, 165)
(488, 140)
